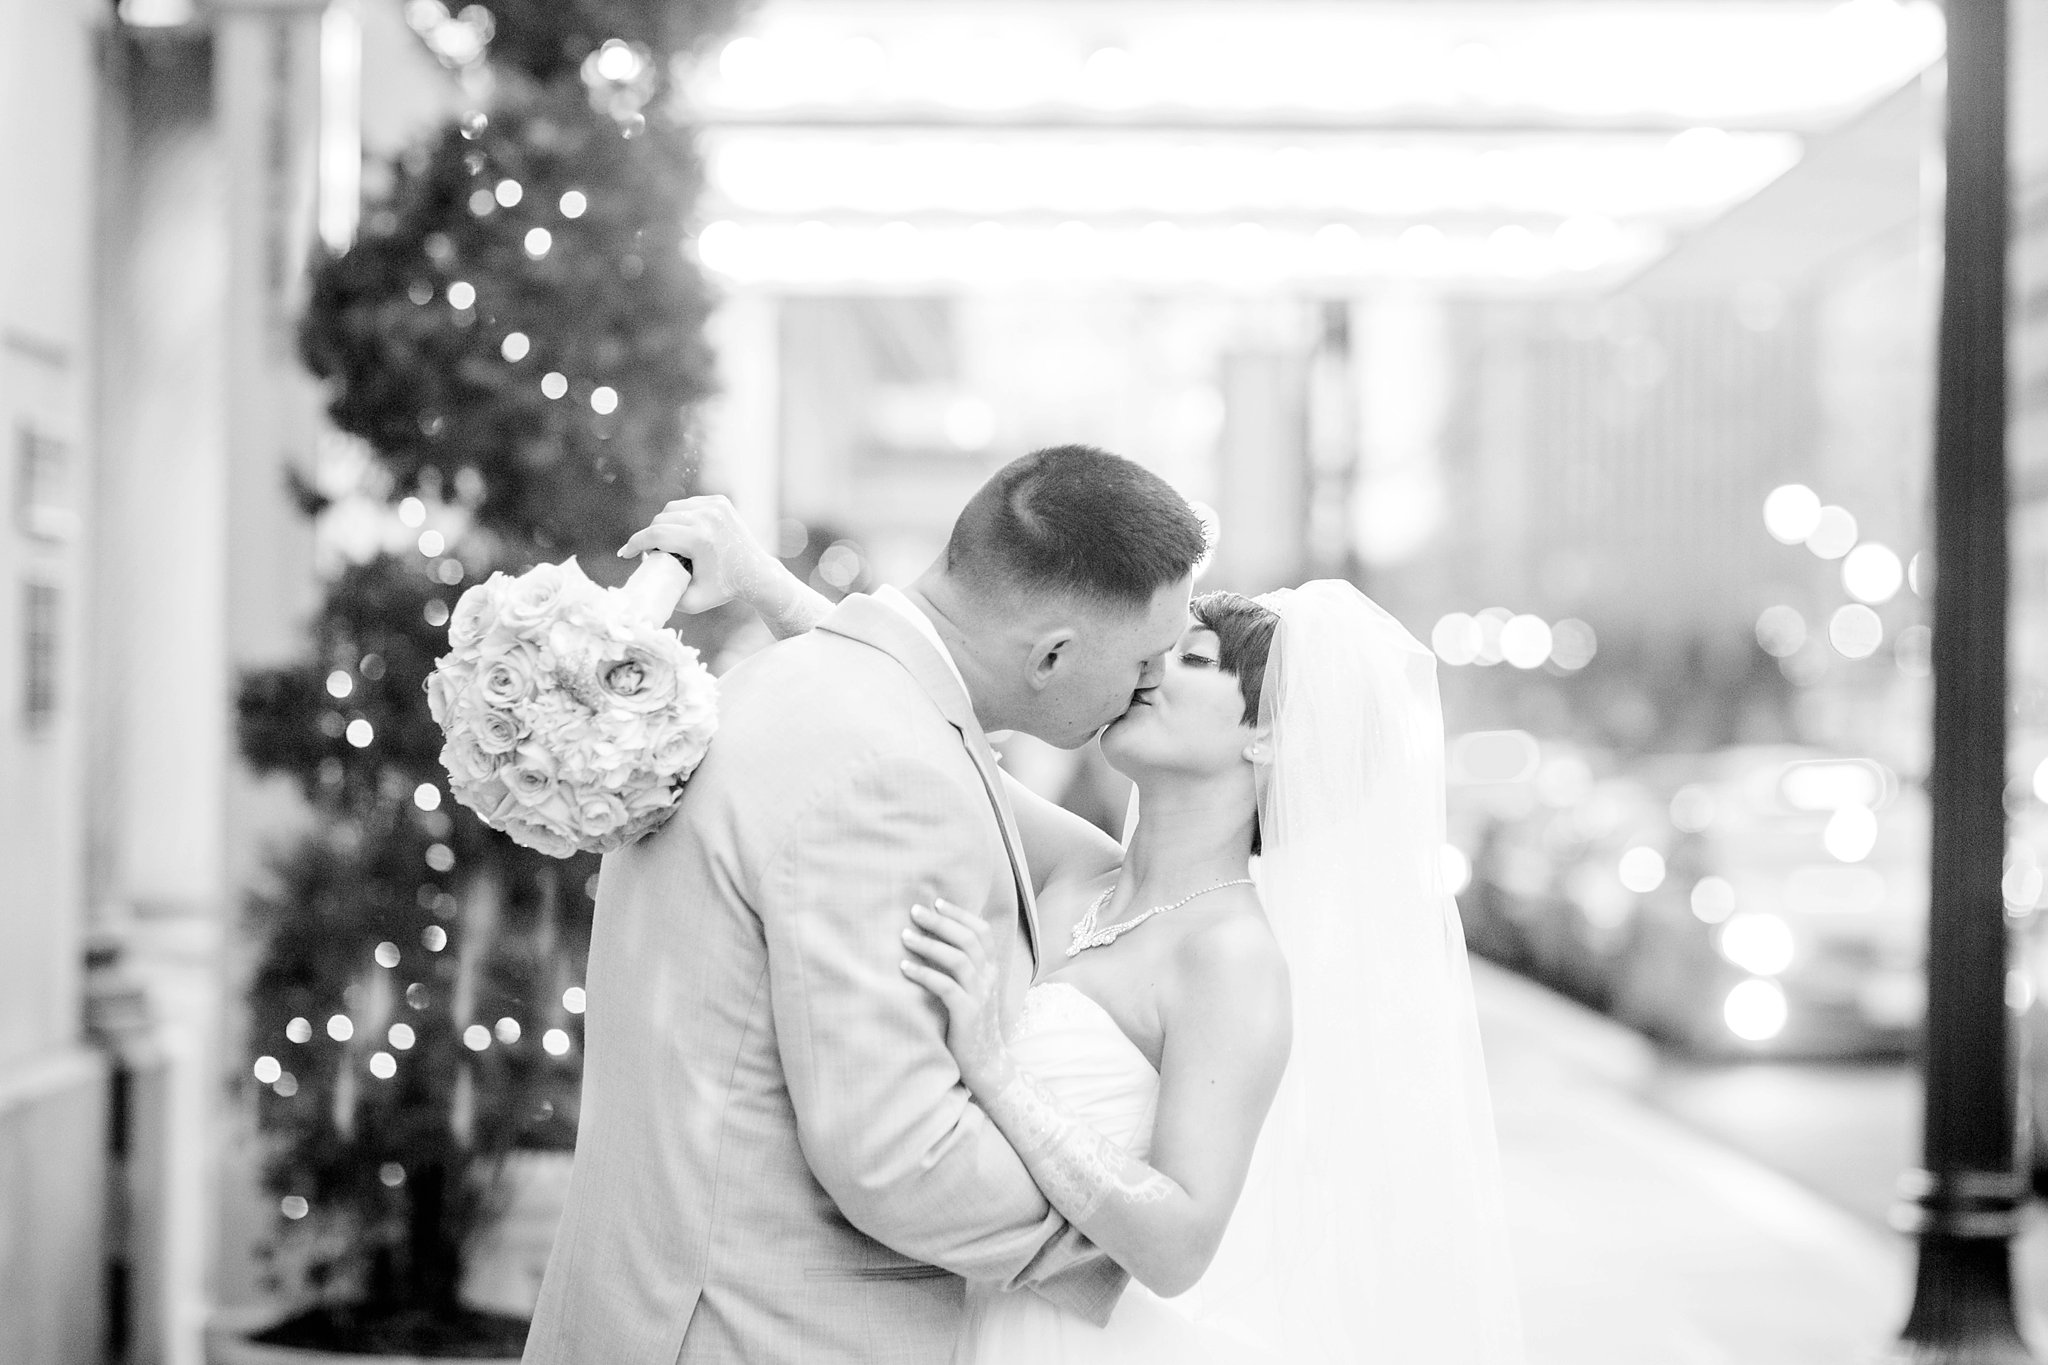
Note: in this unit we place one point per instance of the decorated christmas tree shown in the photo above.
(517, 338)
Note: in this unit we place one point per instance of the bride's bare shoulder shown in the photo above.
(1231, 961)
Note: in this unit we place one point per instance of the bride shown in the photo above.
(1253, 1077)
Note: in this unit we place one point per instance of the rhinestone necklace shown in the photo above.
(1086, 935)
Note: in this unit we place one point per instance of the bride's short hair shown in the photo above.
(1075, 519)
(1244, 637)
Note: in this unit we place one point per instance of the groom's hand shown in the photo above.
(959, 968)
(725, 562)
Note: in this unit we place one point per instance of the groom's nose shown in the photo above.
(1149, 676)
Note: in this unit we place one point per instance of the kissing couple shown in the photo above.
(889, 1060)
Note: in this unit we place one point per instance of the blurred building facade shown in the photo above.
(174, 165)
(1408, 326)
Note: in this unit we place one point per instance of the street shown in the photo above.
(1809, 1151)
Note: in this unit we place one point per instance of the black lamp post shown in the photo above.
(1965, 1205)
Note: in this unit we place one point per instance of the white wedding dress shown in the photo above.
(1073, 1046)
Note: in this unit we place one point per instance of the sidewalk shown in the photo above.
(1640, 1242)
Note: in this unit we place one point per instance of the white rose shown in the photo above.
(443, 684)
(507, 676)
(476, 612)
(494, 731)
(539, 838)
(531, 599)
(468, 763)
(648, 797)
(489, 799)
(555, 811)
(530, 776)
(599, 812)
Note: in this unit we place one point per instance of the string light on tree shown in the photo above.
(529, 232)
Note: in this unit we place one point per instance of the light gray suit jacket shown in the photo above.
(776, 1161)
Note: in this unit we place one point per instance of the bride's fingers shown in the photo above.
(954, 925)
(943, 956)
(938, 983)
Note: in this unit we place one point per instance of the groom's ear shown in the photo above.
(1048, 651)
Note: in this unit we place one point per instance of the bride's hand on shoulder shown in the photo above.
(955, 961)
(726, 562)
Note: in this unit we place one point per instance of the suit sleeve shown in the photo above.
(884, 1121)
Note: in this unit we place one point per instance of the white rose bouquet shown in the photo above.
(572, 717)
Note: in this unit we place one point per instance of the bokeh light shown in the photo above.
(1692, 808)
(1525, 641)
(1781, 630)
(476, 1037)
(1455, 867)
(508, 193)
(1455, 638)
(383, 1065)
(1642, 869)
(268, 1070)
(1712, 899)
(515, 346)
(554, 1042)
(1833, 534)
(573, 1000)
(1791, 512)
(1755, 1011)
(340, 1028)
(1872, 573)
(401, 1036)
(1855, 631)
(1760, 944)
(1572, 644)
(1914, 651)
(1851, 833)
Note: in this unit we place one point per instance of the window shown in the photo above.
(39, 656)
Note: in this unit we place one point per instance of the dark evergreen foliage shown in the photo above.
(396, 907)
(613, 303)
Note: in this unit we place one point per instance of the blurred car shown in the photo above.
(1784, 912)
(1527, 817)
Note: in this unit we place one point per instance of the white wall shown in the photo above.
(52, 1116)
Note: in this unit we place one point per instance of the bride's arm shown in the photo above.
(1227, 1032)
(726, 564)
(1058, 844)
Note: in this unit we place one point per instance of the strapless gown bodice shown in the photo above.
(1073, 1046)
(1069, 1042)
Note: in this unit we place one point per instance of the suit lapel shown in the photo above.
(860, 617)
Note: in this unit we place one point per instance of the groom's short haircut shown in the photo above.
(1075, 519)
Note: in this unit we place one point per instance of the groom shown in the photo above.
(776, 1161)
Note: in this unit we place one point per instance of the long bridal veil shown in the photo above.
(1371, 1226)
